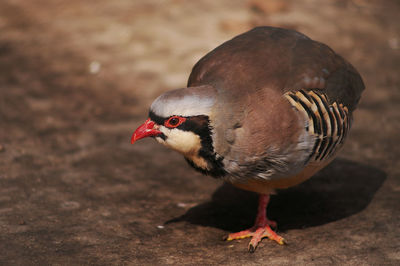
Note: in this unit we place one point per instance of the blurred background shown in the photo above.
(77, 77)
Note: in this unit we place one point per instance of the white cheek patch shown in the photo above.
(185, 142)
(190, 105)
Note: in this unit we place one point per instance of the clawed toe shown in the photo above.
(260, 230)
(256, 234)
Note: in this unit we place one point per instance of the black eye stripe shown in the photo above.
(197, 124)
(172, 120)
(157, 119)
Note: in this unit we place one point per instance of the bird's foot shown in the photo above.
(258, 232)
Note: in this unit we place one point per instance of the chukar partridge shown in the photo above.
(263, 111)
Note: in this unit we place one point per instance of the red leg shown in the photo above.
(261, 218)
(261, 227)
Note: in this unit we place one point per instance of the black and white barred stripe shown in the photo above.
(329, 123)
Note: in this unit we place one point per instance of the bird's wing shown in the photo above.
(275, 58)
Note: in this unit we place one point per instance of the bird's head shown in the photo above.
(181, 120)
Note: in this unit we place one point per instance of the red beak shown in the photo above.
(145, 130)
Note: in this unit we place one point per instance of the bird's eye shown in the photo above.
(174, 121)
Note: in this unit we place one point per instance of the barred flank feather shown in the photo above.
(329, 123)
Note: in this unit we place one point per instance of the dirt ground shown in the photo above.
(77, 77)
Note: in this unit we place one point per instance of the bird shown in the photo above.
(263, 111)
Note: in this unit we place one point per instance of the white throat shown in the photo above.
(185, 142)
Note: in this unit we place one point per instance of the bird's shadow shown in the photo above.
(341, 189)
